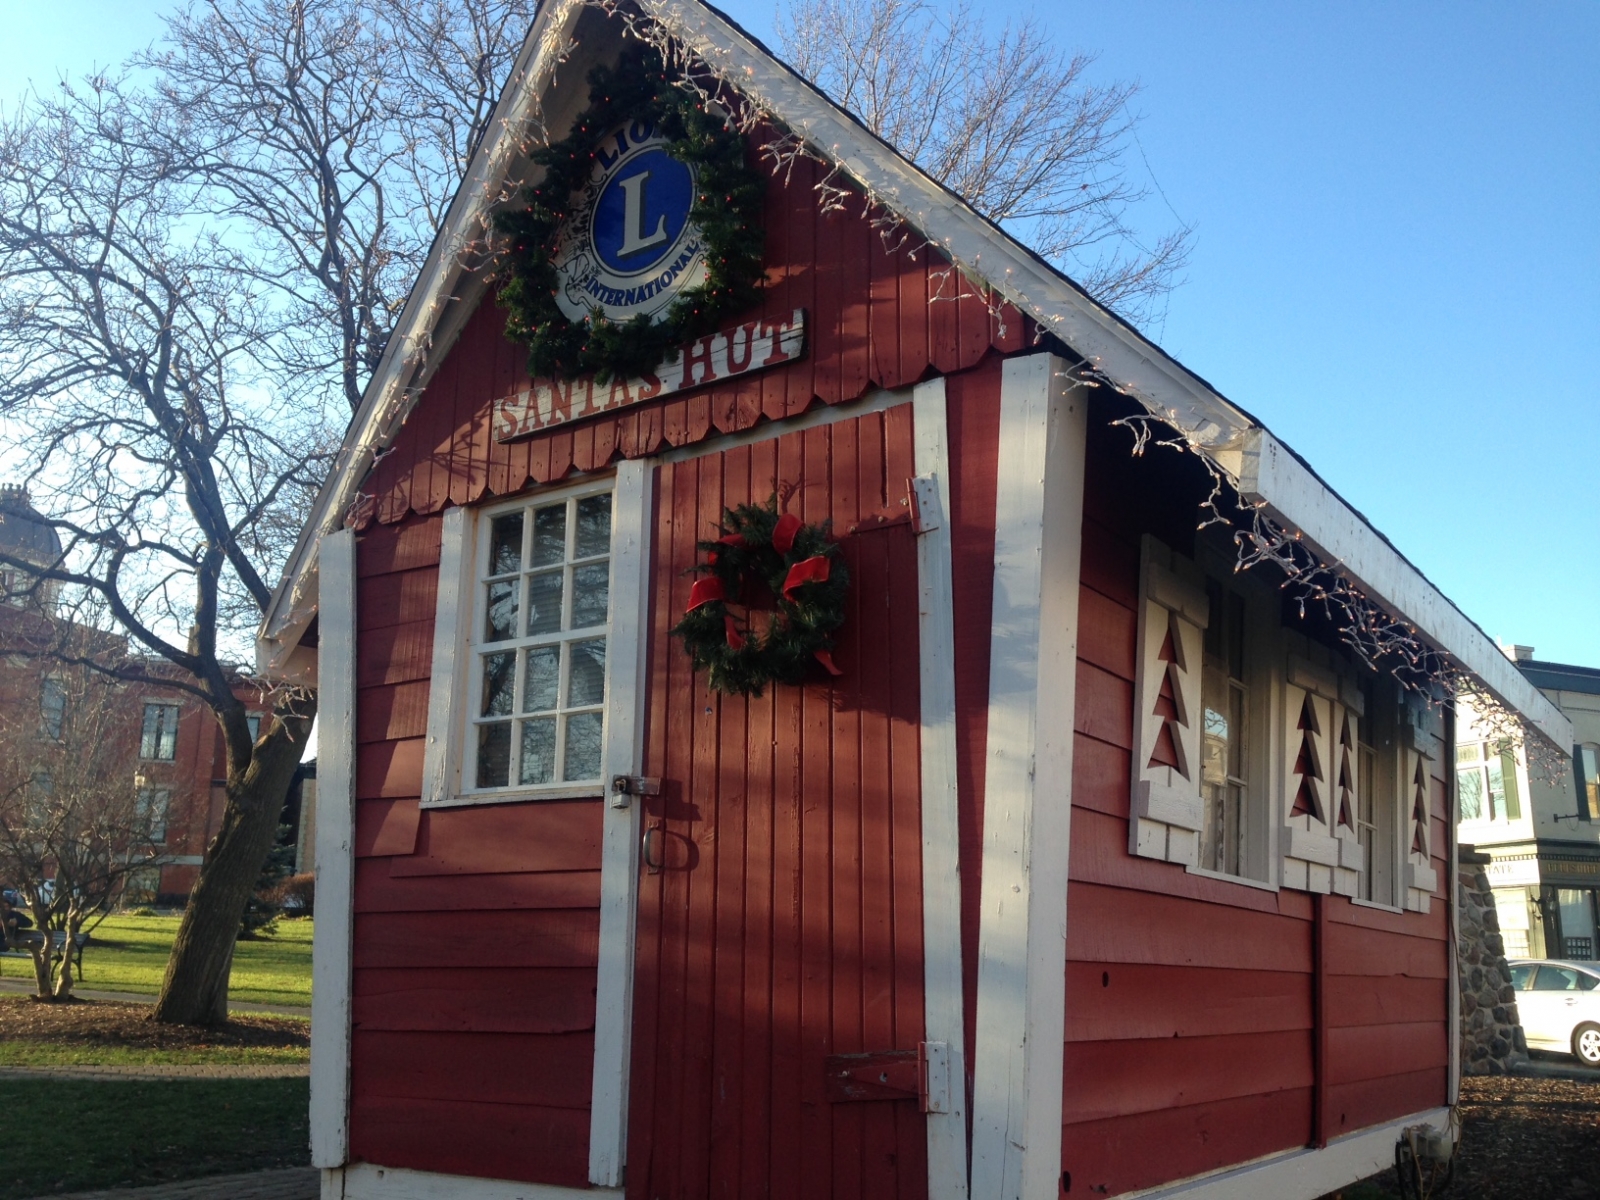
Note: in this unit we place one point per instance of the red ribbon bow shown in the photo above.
(731, 630)
(811, 570)
(705, 591)
(825, 657)
(783, 533)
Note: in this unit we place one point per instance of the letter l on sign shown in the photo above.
(633, 239)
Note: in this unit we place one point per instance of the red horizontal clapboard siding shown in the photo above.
(494, 1068)
(378, 891)
(1118, 1001)
(869, 323)
(496, 1141)
(1122, 1154)
(474, 999)
(476, 930)
(1191, 1001)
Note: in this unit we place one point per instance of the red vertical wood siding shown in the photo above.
(1190, 1016)
(476, 929)
(869, 324)
(786, 925)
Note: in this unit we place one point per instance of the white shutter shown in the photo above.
(1166, 813)
(1320, 796)
(1417, 749)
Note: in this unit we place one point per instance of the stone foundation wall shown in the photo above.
(1491, 1034)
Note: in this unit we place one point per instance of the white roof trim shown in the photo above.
(1239, 445)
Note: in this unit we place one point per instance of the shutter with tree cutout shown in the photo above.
(1166, 812)
(1322, 849)
(1417, 750)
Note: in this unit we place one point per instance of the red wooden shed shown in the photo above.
(1100, 868)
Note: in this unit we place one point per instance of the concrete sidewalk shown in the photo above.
(290, 1183)
(25, 986)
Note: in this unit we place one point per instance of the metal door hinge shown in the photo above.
(927, 514)
(625, 787)
(922, 1074)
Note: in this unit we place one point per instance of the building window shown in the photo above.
(1225, 732)
(159, 740)
(253, 721)
(541, 615)
(1587, 760)
(150, 813)
(1486, 783)
(52, 708)
(1377, 814)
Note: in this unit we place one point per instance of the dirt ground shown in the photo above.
(91, 1023)
(1522, 1138)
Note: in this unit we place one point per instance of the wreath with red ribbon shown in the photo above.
(765, 563)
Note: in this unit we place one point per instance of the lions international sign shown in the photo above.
(629, 248)
(752, 346)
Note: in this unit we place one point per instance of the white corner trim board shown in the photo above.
(1293, 495)
(363, 1181)
(1302, 1174)
(454, 601)
(941, 879)
(1021, 1036)
(330, 951)
(619, 854)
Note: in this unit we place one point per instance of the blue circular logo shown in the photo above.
(629, 248)
(641, 211)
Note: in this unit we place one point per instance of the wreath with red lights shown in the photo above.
(764, 563)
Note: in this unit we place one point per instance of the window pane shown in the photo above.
(1519, 976)
(1497, 790)
(150, 738)
(544, 602)
(494, 754)
(169, 733)
(549, 535)
(586, 683)
(1508, 774)
(1469, 787)
(500, 621)
(505, 544)
(594, 526)
(583, 746)
(539, 750)
(543, 679)
(499, 677)
(591, 595)
(52, 707)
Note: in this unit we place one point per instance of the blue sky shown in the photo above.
(1397, 255)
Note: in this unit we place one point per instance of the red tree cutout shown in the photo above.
(1346, 775)
(1307, 799)
(1169, 708)
(1419, 809)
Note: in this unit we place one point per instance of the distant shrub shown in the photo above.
(142, 910)
(297, 895)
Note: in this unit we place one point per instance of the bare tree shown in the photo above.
(200, 265)
(1007, 121)
(74, 824)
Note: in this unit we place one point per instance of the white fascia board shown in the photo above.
(1272, 475)
(388, 398)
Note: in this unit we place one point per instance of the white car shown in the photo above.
(1559, 1003)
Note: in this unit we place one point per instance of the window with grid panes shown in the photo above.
(1224, 770)
(541, 614)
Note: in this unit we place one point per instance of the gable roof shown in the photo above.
(1265, 471)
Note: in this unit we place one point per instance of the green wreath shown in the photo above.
(764, 558)
(727, 210)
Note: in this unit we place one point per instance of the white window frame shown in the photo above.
(176, 722)
(155, 804)
(449, 766)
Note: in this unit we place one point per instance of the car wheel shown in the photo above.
(1586, 1044)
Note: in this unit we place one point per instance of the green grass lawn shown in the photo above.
(20, 1053)
(129, 954)
(71, 1135)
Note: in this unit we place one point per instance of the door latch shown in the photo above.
(625, 787)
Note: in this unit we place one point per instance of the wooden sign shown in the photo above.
(727, 354)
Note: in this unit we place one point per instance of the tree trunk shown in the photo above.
(195, 991)
(40, 952)
(64, 977)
